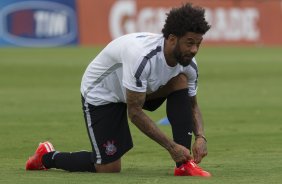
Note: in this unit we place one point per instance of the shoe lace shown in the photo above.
(195, 165)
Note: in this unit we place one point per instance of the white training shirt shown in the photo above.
(134, 61)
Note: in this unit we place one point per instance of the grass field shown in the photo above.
(239, 94)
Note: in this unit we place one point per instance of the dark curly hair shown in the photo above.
(187, 18)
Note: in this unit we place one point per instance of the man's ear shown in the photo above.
(172, 39)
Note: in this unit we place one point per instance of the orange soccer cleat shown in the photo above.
(190, 169)
(34, 162)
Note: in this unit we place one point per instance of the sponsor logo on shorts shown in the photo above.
(111, 149)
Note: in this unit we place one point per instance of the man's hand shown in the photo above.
(180, 153)
(199, 150)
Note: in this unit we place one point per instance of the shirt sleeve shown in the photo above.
(135, 74)
(193, 74)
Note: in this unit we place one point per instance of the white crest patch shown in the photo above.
(111, 149)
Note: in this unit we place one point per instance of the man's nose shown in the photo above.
(194, 49)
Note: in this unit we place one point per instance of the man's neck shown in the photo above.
(168, 54)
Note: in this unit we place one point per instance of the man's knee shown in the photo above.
(174, 84)
(113, 167)
(178, 82)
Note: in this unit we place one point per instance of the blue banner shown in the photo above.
(38, 23)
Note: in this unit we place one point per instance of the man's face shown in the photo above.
(187, 47)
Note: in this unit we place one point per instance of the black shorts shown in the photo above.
(108, 129)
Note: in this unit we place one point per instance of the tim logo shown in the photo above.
(38, 23)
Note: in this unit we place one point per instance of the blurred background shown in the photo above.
(47, 23)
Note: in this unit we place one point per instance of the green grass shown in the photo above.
(239, 94)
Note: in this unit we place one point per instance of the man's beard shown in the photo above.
(183, 60)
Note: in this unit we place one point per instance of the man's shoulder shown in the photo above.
(142, 43)
(192, 67)
(141, 34)
(141, 37)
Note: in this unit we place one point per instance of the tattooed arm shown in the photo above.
(199, 148)
(198, 127)
(135, 101)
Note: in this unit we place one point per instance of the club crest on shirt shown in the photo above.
(111, 149)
